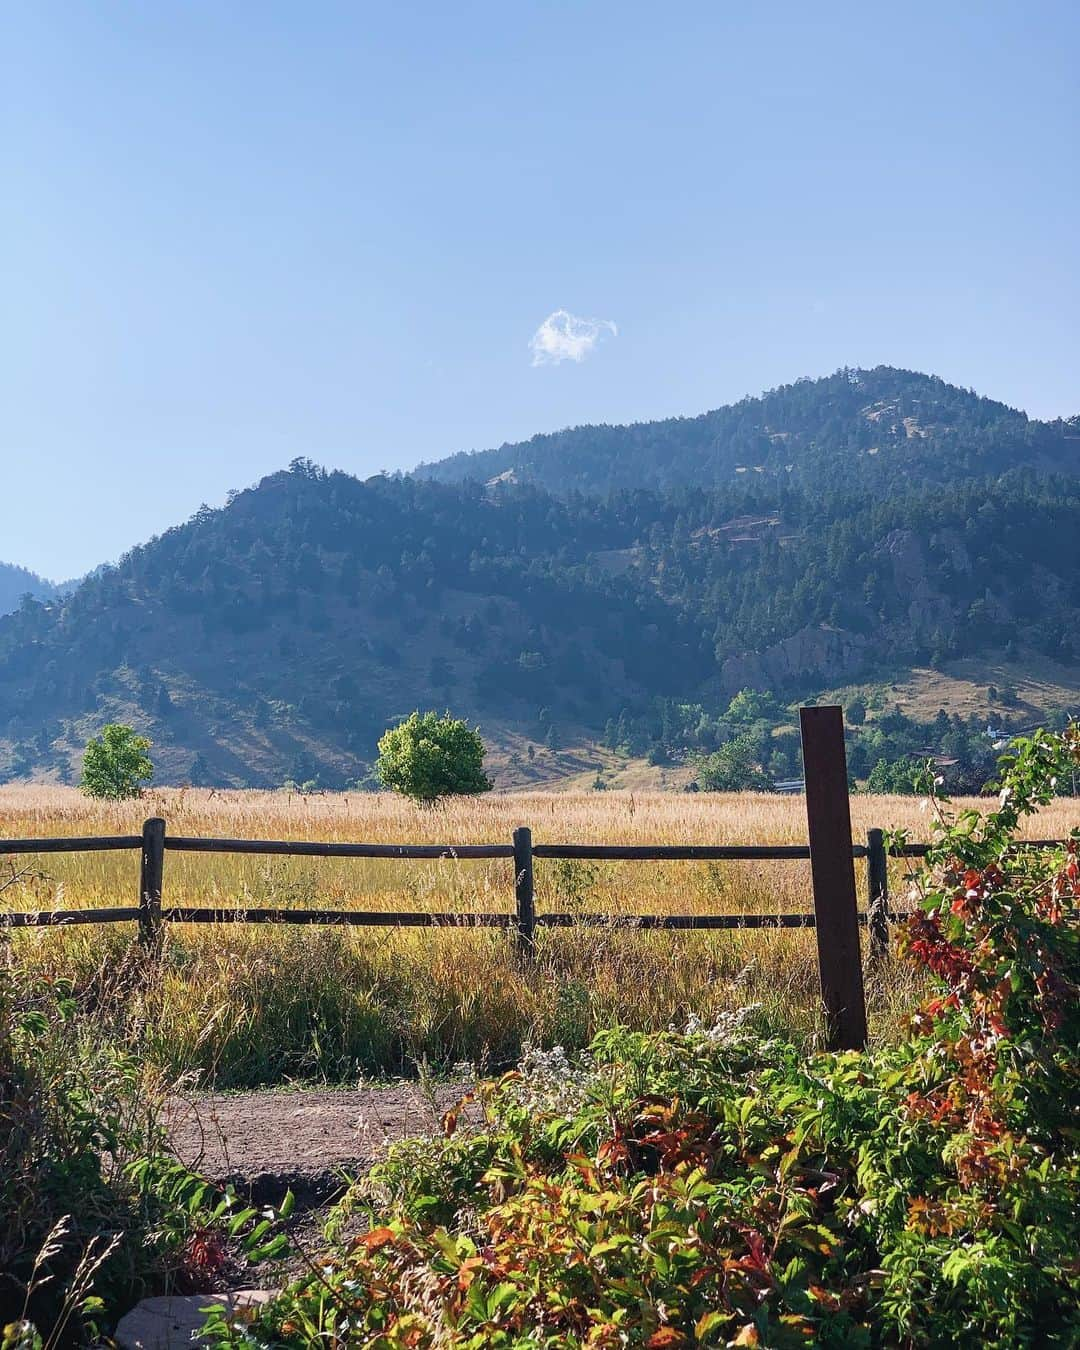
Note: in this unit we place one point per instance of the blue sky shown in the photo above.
(238, 232)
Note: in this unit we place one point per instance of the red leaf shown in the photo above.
(664, 1337)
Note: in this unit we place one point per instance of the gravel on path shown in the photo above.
(304, 1138)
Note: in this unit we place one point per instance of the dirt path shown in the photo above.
(305, 1138)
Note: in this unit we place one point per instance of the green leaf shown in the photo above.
(277, 1246)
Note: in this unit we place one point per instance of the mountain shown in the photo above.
(874, 429)
(15, 582)
(275, 638)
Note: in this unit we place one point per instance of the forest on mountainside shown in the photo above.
(873, 429)
(276, 637)
(15, 582)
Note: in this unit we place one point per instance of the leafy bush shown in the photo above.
(715, 1187)
(116, 765)
(901, 776)
(752, 705)
(427, 757)
(735, 767)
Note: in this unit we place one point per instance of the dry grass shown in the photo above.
(246, 1005)
(1041, 685)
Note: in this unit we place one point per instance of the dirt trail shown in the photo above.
(304, 1138)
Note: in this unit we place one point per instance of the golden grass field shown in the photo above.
(244, 1004)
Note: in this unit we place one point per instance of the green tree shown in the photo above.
(735, 767)
(899, 776)
(752, 705)
(116, 765)
(856, 712)
(427, 757)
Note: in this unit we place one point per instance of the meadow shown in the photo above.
(242, 1005)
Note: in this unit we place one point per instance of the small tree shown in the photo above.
(751, 705)
(897, 776)
(116, 765)
(427, 757)
(735, 767)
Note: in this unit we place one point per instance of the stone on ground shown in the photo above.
(174, 1321)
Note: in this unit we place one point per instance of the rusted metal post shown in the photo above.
(150, 876)
(524, 894)
(877, 893)
(832, 865)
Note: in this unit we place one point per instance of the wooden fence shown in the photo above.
(836, 916)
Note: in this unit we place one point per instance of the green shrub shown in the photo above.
(116, 765)
(735, 767)
(901, 776)
(427, 757)
(752, 705)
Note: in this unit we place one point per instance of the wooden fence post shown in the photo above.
(877, 893)
(828, 816)
(150, 875)
(523, 891)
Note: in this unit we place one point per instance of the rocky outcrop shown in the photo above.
(913, 575)
(825, 655)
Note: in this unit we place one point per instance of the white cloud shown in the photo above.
(564, 337)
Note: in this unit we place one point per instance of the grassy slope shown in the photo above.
(572, 768)
(1042, 686)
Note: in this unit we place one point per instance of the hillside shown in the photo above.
(872, 429)
(275, 638)
(811, 586)
(15, 582)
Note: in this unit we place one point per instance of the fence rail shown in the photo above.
(831, 854)
(323, 849)
(874, 851)
(89, 844)
(308, 848)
